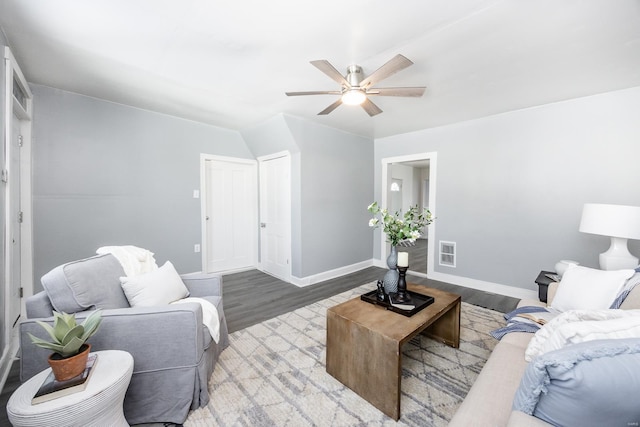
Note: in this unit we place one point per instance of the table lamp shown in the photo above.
(618, 222)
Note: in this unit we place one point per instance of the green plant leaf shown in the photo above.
(73, 333)
(69, 319)
(45, 344)
(72, 347)
(47, 327)
(91, 324)
(60, 326)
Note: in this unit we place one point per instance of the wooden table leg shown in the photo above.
(366, 362)
(447, 328)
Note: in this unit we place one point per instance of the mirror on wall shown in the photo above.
(408, 185)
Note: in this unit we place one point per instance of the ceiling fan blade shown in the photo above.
(314, 92)
(324, 66)
(397, 91)
(331, 107)
(371, 108)
(395, 64)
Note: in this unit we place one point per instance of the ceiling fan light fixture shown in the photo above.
(353, 97)
(356, 90)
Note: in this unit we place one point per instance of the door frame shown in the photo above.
(203, 205)
(23, 113)
(431, 248)
(261, 160)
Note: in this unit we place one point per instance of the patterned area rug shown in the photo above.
(273, 374)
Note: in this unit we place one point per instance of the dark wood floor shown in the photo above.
(251, 297)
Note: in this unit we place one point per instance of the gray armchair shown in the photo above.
(174, 353)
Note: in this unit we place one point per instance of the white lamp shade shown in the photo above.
(619, 223)
(611, 220)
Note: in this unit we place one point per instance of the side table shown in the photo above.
(543, 284)
(99, 404)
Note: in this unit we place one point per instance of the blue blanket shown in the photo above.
(518, 324)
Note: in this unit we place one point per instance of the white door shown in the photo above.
(230, 215)
(275, 216)
(16, 264)
(14, 216)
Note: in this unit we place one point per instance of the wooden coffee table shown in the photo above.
(364, 343)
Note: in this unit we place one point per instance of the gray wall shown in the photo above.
(510, 188)
(335, 185)
(332, 173)
(271, 137)
(108, 174)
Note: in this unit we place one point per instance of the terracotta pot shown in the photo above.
(67, 368)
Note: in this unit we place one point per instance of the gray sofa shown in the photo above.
(489, 401)
(174, 353)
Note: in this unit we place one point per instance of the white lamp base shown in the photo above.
(617, 257)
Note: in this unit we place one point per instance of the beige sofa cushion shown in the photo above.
(530, 302)
(488, 403)
(518, 339)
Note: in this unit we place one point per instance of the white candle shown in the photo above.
(403, 259)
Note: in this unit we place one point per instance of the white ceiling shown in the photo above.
(229, 63)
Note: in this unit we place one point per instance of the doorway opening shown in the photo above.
(408, 181)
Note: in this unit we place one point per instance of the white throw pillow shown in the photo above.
(583, 325)
(583, 288)
(158, 287)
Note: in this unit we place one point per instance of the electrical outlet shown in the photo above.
(196, 248)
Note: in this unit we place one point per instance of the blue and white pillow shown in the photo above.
(592, 383)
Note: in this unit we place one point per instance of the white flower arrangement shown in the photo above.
(400, 229)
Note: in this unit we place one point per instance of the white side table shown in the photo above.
(100, 404)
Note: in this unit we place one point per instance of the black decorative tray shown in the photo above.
(420, 301)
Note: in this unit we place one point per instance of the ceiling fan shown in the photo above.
(355, 89)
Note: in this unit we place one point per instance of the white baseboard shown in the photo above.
(379, 263)
(331, 274)
(230, 271)
(494, 288)
(238, 270)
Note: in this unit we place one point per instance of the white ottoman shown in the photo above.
(100, 404)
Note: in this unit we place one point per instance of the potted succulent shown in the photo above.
(68, 342)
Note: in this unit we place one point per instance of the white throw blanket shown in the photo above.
(134, 260)
(209, 315)
(576, 326)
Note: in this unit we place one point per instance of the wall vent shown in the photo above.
(448, 253)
